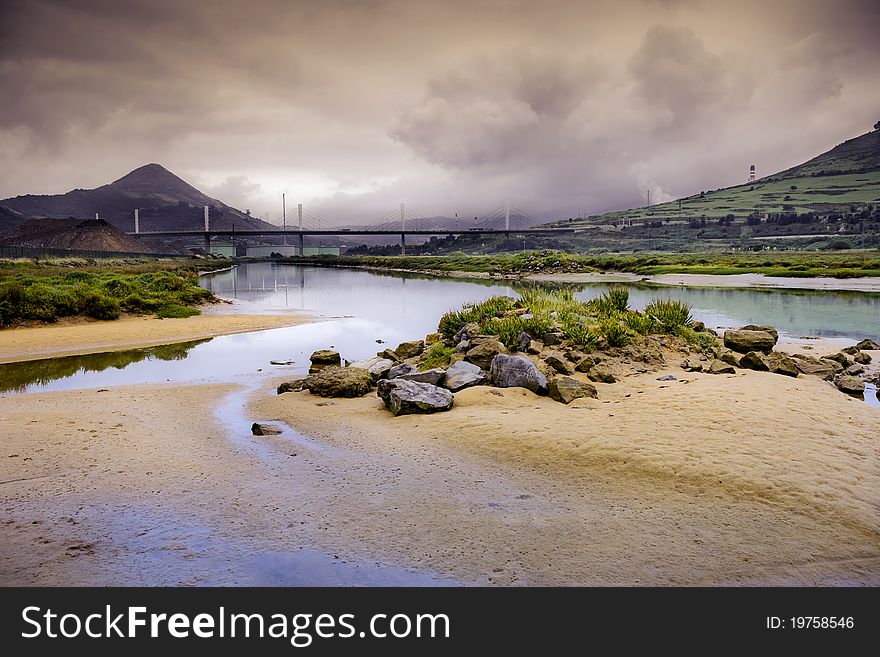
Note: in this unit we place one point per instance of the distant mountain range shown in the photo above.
(164, 201)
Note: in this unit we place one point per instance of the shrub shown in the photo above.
(507, 329)
(100, 306)
(614, 332)
(438, 355)
(580, 334)
(612, 302)
(175, 310)
(669, 314)
(699, 338)
(639, 323)
(537, 325)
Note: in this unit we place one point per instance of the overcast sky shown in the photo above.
(352, 107)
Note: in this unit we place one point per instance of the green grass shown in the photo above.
(36, 293)
(438, 355)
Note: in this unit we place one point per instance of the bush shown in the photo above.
(507, 329)
(100, 306)
(638, 323)
(612, 302)
(580, 334)
(174, 310)
(614, 332)
(699, 338)
(669, 314)
(438, 356)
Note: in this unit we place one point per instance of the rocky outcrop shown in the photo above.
(835, 366)
(720, 367)
(377, 367)
(729, 357)
(400, 370)
(466, 332)
(862, 358)
(333, 381)
(585, 364)
(557, 361)
(766, 329)
(482, 353)
(840, 358)
(849, 384)
(389, 354)
(601, 375)
(463, 375)
(814, 366)
(744, 340)
(410, 349)
(431, 338)
(535, 347)
(565, 389)
(324, 358)
(779, 363)
(516, 372)
(294, 385)
(868, 345)
(754, 360)
(433, 376)
(407, 397)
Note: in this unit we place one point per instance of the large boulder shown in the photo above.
(389, 354)
(720, 367)
(410, 349)
(400, 370)
(767, 329)
(754, 360)
(433, 376)
(294, 385)
(841, 358)
(408, 397)
(377, 367)
(324, 358)
(814, 366)
(746, 340)
(729, 357)
(484, 351)
(516, 372)
(862, 358)
(601, 374)
(585, 364)
(558, 361)
(836, 367)
(849, 384)
(566, 389)
(463, 375)
(779, 363)
(867, 345)
(333, 381)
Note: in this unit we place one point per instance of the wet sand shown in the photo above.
(751, 478)
(91, 336)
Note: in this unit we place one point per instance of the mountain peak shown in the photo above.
(149, 174)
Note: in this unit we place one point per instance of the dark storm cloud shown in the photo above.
(353, 106)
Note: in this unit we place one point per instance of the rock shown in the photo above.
(410, 349)
(566, 389)
(433, 376)
(815, 367)
(463, 375)
(324, 358)
(377, 367)
(766, 329)
(463, 346)
(552, 338)
(333, 381)
(699, 327)
(523, 342)
(849, 384)
(469, 330)
(482, 354)
(515, 312)
(585, 364)
(868, 345)
(645, 352)
(745, 341)
(558, 362)
(575, 356)
(667, 377)
(729, 357)
(862, 358)
(431, 338)
(754, 360)
(535, 347)
(854, 370)
(294, 385)
(400, 370)
(833, 364)
(720, 367)
(840, 358)
(691, 365)
(852, 351)
(601, 374)
(389, 354)
(407, 397)
(779, 363)
(516, 372)
(265, 429)
(280, 362)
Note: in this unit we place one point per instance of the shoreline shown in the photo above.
(79, 337)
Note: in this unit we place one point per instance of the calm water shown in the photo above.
(394, 307)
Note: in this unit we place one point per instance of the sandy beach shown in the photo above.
(739, 479)
(83, 336)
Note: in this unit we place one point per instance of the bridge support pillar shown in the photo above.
(403, 244)
(207, 243)
(301, 245)
(507, 236)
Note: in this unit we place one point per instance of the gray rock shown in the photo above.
(585, 364)
(463, 346)
(868, 345)
(294, 385)
(516, 372)
(566, 389)
(779, 363)
(745, 341)
(410, 349)
(849, 384)
(601, 374)
(524, 341)
(754, 360)
(280, 362)
(482, 354)
(324, 358)
(407, 397)
(553, 338)
(433, 376)
(720, 367)
(334, 381)
(463, 375)
(259, 429)
(389, 354)
(862, 358)
(667, 377)
(377, 367)
(400, 370)
(469, 330)
(854, 370)
(558, 362)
